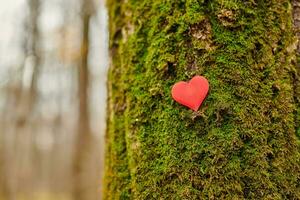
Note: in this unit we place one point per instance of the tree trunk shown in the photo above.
(296, 20)
(243, 142)
(20, 103)
(83, 138)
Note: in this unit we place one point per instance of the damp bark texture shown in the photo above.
(243, 143)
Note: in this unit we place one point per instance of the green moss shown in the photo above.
(242, 143)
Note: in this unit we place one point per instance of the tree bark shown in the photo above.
(243, 142)
(296, 20)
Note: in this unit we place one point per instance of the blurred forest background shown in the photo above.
(53, 63)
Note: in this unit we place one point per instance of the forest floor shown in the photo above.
(43, 196)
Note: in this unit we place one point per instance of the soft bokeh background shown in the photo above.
(53, 65)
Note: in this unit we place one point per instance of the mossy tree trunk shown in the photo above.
(243, 142)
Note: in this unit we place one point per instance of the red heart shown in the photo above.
(192, 93)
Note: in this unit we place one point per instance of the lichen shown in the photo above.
(242, 143)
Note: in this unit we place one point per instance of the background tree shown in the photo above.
(22, 100)
(243, 142)
(84, 138)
